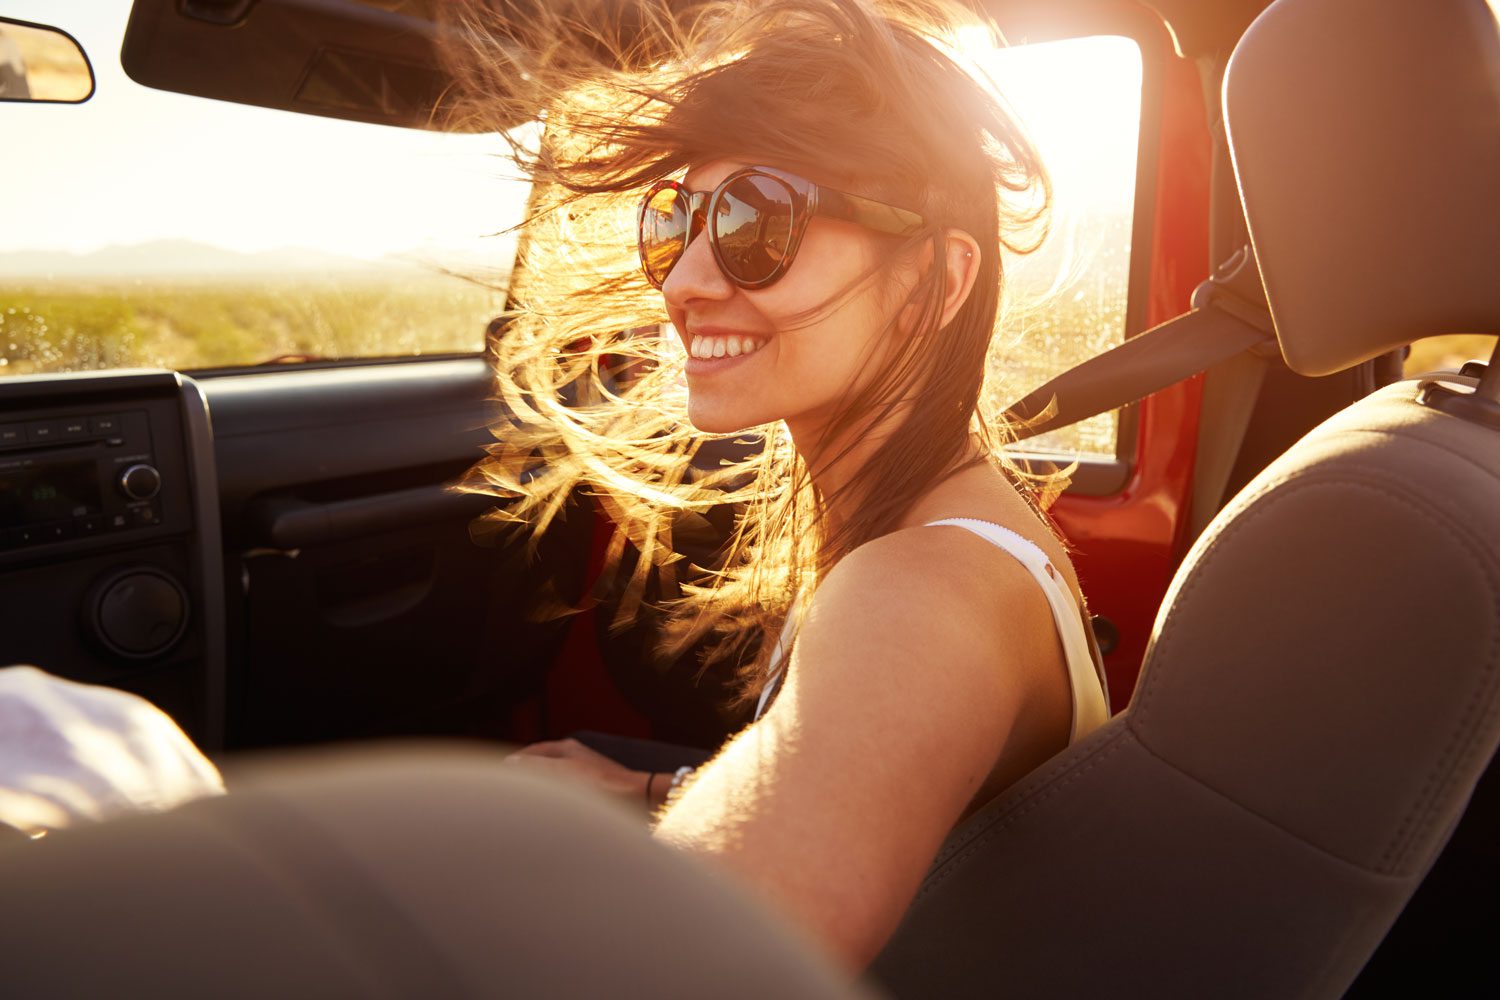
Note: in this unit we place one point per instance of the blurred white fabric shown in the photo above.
(77, 753)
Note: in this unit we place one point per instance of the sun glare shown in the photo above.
(1079, 100)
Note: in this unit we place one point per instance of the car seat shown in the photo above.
(404, 870)
(1322, 688)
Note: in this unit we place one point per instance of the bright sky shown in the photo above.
(135, 164)
(1080, 100)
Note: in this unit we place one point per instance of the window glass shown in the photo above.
(1451, 351)
(1080, 100)
(146, 228)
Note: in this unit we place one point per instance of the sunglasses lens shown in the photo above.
(664, 233)
(752, 227)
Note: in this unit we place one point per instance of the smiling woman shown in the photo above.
(1064, 302)
(817, 202)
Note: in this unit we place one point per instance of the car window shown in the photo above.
(1080, 100)
(146, 228)
(1448, 352)
(149, 228)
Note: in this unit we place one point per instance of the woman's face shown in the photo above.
(775, 353)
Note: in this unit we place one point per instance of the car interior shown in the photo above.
(1283, 500)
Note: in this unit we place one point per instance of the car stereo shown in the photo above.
(78, 475)
(110, 555)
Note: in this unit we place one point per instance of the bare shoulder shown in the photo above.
(924, 595)
(935, 572)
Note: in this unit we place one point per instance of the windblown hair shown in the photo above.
(865, 95)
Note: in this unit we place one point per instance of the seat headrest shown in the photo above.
(1366, 142)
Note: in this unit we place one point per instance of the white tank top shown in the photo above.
(1085, 672)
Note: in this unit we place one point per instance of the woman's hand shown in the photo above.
(573, 758)
(75, 753)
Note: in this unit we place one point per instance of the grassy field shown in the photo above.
(187, 325)
(1448, 352)
(1059, 309)
(191, 325)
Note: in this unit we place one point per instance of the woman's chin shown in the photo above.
(716, 420)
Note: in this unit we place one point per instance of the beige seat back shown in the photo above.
(1322, 690)
(388, 872)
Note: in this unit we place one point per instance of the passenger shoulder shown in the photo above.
(918, 615)
(947, 577)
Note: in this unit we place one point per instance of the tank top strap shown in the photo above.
(777, 662)
(1085, 672)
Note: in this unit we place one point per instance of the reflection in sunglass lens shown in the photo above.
(664, 227)
(752, 226)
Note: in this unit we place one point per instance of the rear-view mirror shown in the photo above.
(42, 64)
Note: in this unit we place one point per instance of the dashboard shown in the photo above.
(110, 558)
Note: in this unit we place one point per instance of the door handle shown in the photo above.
(292, 523)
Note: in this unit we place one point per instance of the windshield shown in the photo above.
(156, 229)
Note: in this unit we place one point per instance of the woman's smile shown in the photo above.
(710, 345)
(713, 350)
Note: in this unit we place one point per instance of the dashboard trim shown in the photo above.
(204, 487)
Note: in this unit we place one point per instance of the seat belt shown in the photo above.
(1229, 326)
(1229, 318)
(1230, 391)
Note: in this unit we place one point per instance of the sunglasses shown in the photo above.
(755, 221)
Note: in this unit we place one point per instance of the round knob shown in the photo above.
(140, 482)
(138, 613)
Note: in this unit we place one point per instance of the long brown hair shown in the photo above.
(868, 96)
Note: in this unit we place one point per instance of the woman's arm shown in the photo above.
(913, 661)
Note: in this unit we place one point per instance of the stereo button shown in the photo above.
(101, 426)
(12, 434)
(43, 431)
(140, 482)
(71, 428)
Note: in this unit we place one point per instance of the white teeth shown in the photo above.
(718, 347)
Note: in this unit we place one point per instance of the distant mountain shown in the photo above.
(189, 259)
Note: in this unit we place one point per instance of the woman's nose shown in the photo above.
(696, 275)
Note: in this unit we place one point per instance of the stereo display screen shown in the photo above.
(41, 493)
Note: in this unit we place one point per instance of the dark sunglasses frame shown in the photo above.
(807, 200)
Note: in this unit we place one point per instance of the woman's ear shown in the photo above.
(961, 266)
(961, 259)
